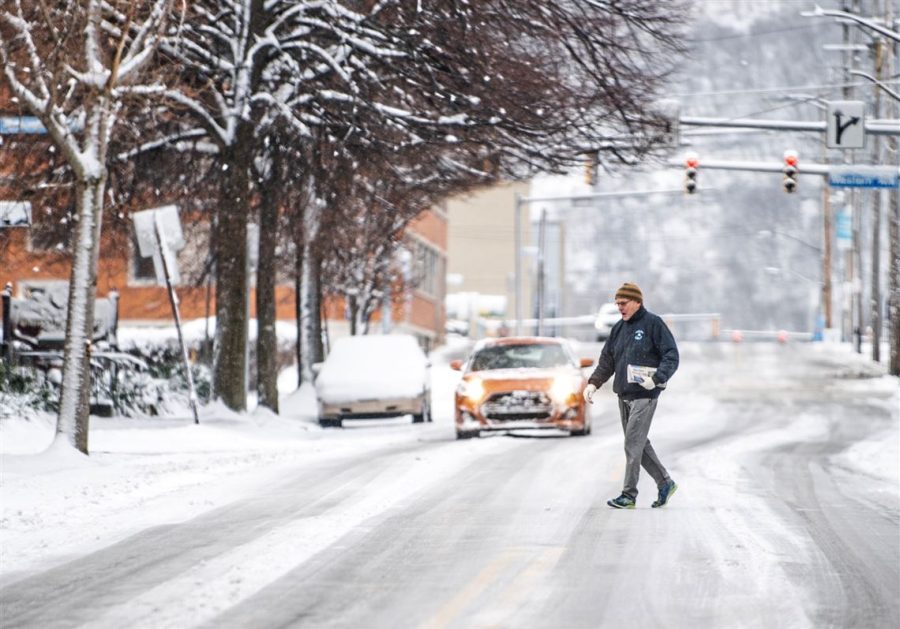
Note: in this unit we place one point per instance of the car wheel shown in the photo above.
(578, 433)
(467, 434)
(331, 422)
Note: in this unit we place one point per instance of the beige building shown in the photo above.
(481, 253)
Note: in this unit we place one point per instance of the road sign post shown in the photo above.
(159, 235)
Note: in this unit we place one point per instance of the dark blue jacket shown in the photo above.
(643, 340)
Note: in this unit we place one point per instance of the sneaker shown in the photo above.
(622, 502)
(665, 492)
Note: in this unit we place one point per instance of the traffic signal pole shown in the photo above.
(790, 169)
(871, 127)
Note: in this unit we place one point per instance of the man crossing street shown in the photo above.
(642, 354)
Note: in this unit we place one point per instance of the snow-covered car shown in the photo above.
(607, 317)
(521, 383)
(373, 376)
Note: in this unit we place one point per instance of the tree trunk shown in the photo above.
(298, 306)
(318, 347)
(308, 293)
(352, 309)
(74, 404)
(311, 321)
(230, 361)
(266, 337)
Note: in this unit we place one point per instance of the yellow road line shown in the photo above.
(450, 610)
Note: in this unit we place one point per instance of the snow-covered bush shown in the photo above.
(24, 390)
(161, 387)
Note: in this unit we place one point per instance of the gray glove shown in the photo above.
(588, 393)
(647, 383)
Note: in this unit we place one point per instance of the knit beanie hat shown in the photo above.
(630, 291)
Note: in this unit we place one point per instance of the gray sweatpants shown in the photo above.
(636, 418)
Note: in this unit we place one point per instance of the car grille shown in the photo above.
(518, 405)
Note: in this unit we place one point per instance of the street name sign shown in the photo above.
(851, 176)
(845, 124)
(12, 125)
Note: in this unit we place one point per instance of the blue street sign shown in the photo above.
(854, 176)
(843, 227)
(10, 125)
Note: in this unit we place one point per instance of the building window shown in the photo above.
(426, 268)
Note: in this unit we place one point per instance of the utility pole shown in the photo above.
(854, 266)
(542, 249)
(879, 46)
(893, 211)
(826, 248)
(847, 330)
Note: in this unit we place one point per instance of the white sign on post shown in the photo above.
(845, 124)
(170, 235)
(159, 235)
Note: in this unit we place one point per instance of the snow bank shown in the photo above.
(878, 456)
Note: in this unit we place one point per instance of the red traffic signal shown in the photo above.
(691, 163)
(790, 171)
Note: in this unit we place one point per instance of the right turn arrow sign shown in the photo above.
(845, 124)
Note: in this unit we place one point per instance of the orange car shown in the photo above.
(521, 383)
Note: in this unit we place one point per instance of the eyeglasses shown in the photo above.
(623, 303)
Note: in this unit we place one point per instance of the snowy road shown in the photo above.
(786, 515)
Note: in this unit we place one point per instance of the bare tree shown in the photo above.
(375, 205)
(529, 83)
(75, 74)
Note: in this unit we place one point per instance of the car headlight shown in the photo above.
(472, 388)
(563, 388)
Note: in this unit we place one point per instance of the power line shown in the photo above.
(790, 88)
(756, 33)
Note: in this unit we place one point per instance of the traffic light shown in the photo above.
(790, 170)
(590, 169)
(691, 163)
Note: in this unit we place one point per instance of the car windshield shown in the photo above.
(519, 356)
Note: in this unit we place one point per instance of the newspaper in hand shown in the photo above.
(637, 373)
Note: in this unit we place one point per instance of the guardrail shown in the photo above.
(500, 327)
(782, 336)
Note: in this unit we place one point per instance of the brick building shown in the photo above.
(34, 232)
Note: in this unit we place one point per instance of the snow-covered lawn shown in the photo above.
(143, 472)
